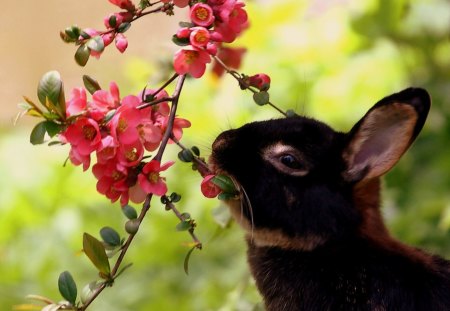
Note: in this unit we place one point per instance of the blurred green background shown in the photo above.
(331, 60)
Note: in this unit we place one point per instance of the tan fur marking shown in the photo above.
(270, 237)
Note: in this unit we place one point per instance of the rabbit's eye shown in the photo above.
(290, 161)
(286, 159)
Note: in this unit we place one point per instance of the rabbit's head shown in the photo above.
(298, 177)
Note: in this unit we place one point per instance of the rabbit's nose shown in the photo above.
(223, 140)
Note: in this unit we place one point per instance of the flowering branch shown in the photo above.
(118, 130)
(146, 206)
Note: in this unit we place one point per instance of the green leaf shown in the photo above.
(112, 21)
(180, 41)
(186, 260)
(96, 44)
(175, 197)
(261, 98)
(82, 55)
(185, 155)
(52, 128)
(91, 84)
(123, 27)
(185, 216)
(109, 115)
(183, 226)
(110, 236)
(50, 87)
(129, 212)
(95, 251)
(225, 183)
(186, 24)
(196, 151)
(67, 287)
(224, 196)
(38, 133)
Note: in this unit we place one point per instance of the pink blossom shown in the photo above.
(124, 4)
(151, 135)
(130, 155)
(261, 81)
(202, 15)
(199, 37)
(124, 124)
(232, 20)
(178, 3)
(192, 61)
(121, 42)
(103, 101)
(183, 32)
(208, 188)
(108, 38)
(107, 149)
(211, 48)
(83, 135)
(150, 181)
(77, 104)
(78, 159)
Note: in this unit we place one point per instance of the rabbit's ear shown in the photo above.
(383, 135)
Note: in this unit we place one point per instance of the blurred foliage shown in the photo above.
(331, 60)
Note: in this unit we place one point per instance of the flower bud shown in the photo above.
(121, 42)
(132, 226)
(183, 33)
(261, 81)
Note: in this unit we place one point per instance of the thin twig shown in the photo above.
(201, 165)
(243, 83)
(173, 111)
(172, 207)
(154, 102)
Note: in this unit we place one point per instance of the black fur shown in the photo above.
(355, 265)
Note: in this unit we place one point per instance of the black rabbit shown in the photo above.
(310, 202)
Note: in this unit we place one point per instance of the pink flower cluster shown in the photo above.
(213, 23)
(119, 133)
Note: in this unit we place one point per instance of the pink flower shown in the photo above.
(78, 159)
(107, 149)
(121, 42)
(202, 15)
(192, 61)
(199, 37)
(261, 81)
(104, 101)
(233, 19)
(208, 188)
(150, 181)
(183, 33)
(124, 4)
(77, 104)
(232, 57)
(151, 135)
(124, 124)
(130, 155)
(83, 135)
(178, 3)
